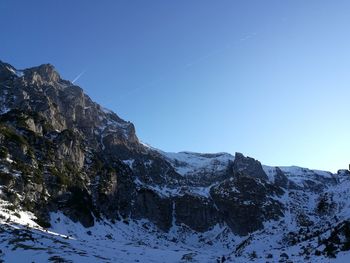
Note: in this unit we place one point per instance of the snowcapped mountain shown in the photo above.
(77, 185)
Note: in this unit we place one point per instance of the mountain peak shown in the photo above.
(45, 73)
(6, 71)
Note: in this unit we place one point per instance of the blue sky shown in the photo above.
(270, 79)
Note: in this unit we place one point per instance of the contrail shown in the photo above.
(218, 51)
(193, 62)
(78, 77)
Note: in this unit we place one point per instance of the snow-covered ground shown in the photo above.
(22, 240)
(298, 175)
(189, 163)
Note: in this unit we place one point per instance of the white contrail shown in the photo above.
(78, 77)
(218, 51)
(194, 62)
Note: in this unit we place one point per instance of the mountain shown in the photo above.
(77, 185)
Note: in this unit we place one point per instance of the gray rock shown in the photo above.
(248, 166)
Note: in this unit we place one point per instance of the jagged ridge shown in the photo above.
(60, 151)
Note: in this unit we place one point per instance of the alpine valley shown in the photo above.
(77, 185)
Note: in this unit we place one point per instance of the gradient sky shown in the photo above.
(270, 79)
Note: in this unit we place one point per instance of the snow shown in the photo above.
(165, 191)
(200, 191)
(148, 146)
(189, 163)
(3, 107)
(8, 159)
(129, 162)
(24, 218)
(18, 73)
(113, 127)
(141, 241)
(296, 174)
(11, 69)
(107, 111)
(137, 241)
(270, 172)
(296, 171)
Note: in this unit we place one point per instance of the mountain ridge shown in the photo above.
(62, 153)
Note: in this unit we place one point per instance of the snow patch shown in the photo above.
(189, 163)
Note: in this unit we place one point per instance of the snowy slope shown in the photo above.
(190, 163)
(22, 240)
(298, 175)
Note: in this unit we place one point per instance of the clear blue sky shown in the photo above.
(270, 79)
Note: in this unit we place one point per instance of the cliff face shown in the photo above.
(60, 151)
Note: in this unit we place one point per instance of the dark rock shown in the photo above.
(197, 212)
(245, 203)
(151, 206)
(248, 166)
(281, 179)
